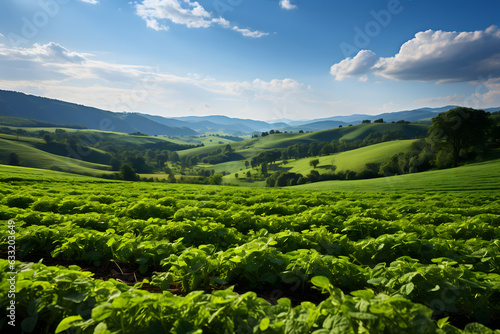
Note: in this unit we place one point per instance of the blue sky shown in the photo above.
(259, 59)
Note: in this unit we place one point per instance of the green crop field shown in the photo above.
(96, 256)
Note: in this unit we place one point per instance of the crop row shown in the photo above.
(68, 299)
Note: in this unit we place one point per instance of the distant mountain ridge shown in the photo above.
(22, 105)
(414, 115)
(59, 112)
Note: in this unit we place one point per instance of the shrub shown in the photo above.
(45, 205)
(19, 201)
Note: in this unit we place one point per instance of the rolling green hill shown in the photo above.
(254, 146)
(36, 158)
(354, 160)
(483, 176)
(88, 160)
(361, 131)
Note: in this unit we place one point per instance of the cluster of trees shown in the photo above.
(272, 132)
(458, 136)
(282, 179)
(228, 137)
(215, 157)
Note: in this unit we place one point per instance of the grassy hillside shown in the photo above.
(254, 146)
(480, 176)
(360, 131)
(354, 160)
(33, 157)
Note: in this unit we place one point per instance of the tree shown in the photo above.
(138, 163)
(171, 178)
(47, 138)
(366, 121)
(215, 179)
(263, 168)
(13, 159)
(127, 173)
(459, 129)
(115, 164)
(314, 163)
(380, 120)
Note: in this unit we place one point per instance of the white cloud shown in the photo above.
(54, 71)
(93, 2)
(221, 21)
(249, 33)
(1, 35)
(359, 65)
(285, 4)
(184, 12)
(192, 14)
(439, 56)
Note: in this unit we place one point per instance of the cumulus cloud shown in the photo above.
(192, 14)
(439, 56)
(184, 12)
(285, 4)
(93, 2)
(361, 64)
(54, 71)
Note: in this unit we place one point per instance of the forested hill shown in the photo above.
(59, 112)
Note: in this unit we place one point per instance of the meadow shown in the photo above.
(98, 256)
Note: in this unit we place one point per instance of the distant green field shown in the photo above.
(475, 177)
(33, 157)
(252, 147)
(96, 135)
(354, 160)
